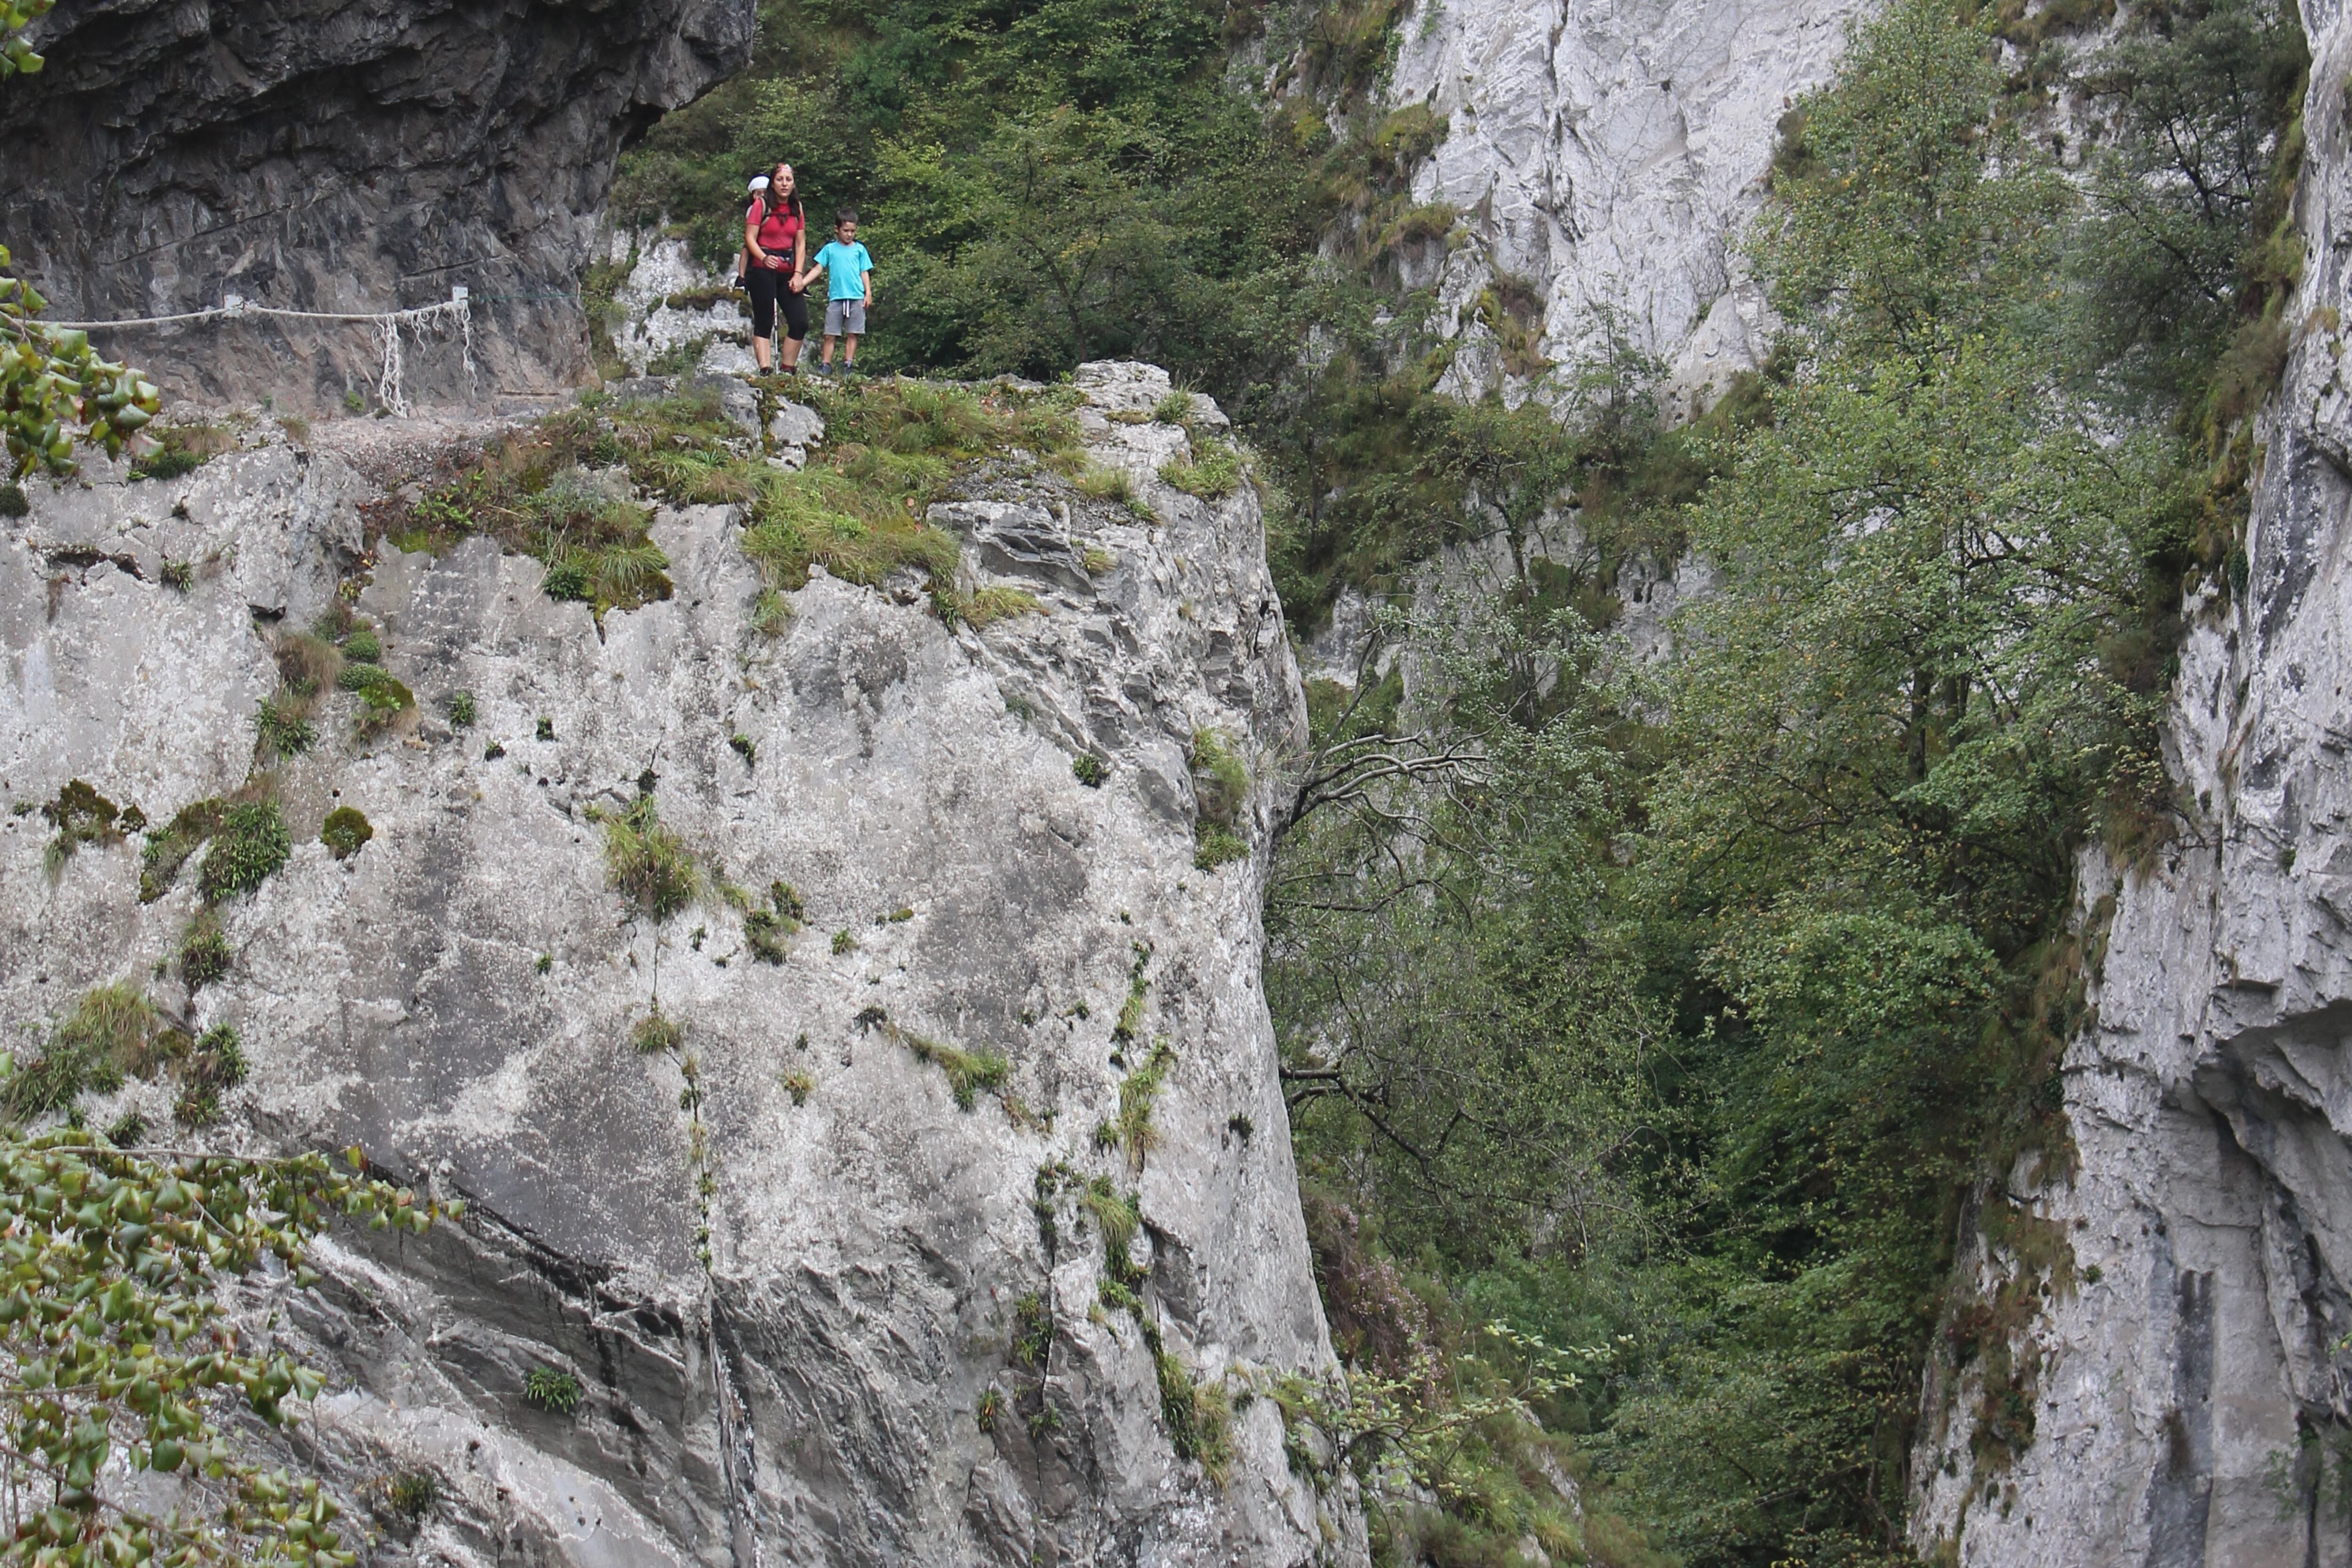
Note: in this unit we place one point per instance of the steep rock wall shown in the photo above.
(459, 997)
(332, 158)
(1608, 153)
(2176, 1391)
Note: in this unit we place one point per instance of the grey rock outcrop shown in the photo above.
(1610, 154)
(819, 1311)
(319, 157)
(2182, 1374)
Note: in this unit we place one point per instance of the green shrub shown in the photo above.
(462, 710)
(745, 748)
(1199, 1417)
(250, 844)
(771, 614)
(1033, 1331)
(180, 576)
(843, 941)
(1176, 408)
(552, 1390)
(205, 954)
(1138, 1093)
(1130, 1027)
(989, 606)
(185, 449)
(14, 501)
(799, 1085)
(1089, 770)
(218, 1059)
(345, 831)
(361, 645)
(768, 931)
(282, 727)
(1220, 780)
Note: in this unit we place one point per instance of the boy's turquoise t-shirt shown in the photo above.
(846, 266)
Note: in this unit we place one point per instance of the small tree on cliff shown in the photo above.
(56, 392)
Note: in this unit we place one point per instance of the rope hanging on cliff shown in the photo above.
(458, 309)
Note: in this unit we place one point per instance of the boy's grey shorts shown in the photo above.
(844, 315)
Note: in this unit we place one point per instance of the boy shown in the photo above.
(849, 289)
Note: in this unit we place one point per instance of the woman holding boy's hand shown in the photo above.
(774, 234)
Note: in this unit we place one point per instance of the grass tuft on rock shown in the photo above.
(649, 865)
(104, 1038)
(655, 1033)
(1132, 1130)
(205, 954)
(1215, 472)
(967, 1072)
(250, 844)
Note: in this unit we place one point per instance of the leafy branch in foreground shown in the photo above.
(119, 1356)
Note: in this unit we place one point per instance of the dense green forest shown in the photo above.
(1680, 1017)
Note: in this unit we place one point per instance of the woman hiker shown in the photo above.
(773, 233)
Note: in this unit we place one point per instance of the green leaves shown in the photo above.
(56, 392)
(108, 1269)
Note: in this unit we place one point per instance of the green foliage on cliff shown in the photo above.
(122, 1357)
(1040, 184)
(1702, 996)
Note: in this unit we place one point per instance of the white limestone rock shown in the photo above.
(458, 997)
(2211, 1219)
(1611, 153)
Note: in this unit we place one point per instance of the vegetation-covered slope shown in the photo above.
(1680, 1024)
(1708, 998)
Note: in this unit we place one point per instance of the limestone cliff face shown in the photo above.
(899, 1347)
(2183, 1385)
(339, 158)
(1608, 153)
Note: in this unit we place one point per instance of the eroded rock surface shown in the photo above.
(327, 158)
(2181, 1377)
(1608, 153)
(857, 1373)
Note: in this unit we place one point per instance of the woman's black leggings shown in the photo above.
(768, 286)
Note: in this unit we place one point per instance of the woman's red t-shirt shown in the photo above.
(779, 228)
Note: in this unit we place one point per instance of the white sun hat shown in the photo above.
(759, 182)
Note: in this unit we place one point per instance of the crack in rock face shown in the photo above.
(879, 1333)
(316, 157)
(2192, 1387)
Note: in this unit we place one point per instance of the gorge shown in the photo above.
(1287, 896)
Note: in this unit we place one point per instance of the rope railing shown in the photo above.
(456, 309)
